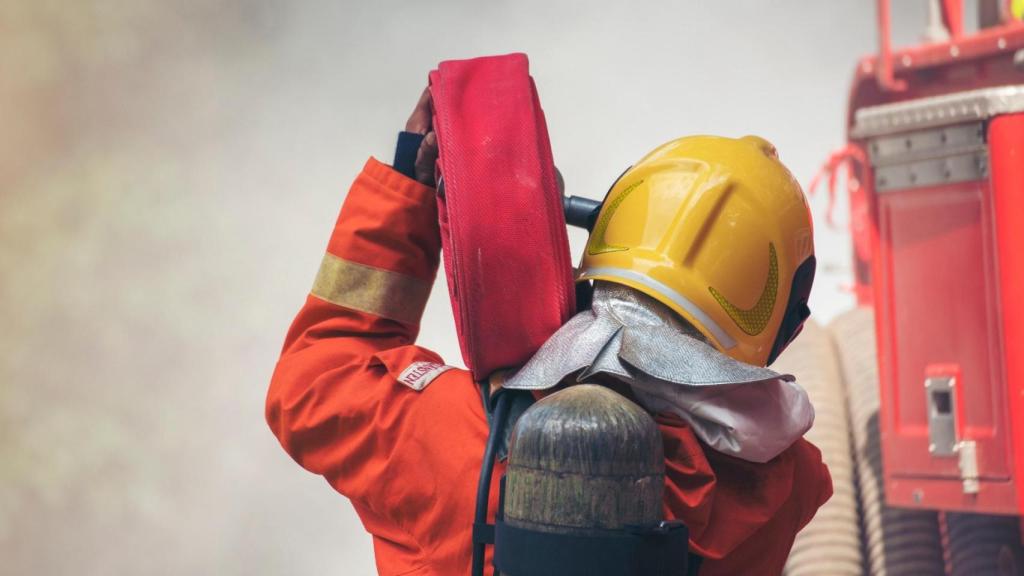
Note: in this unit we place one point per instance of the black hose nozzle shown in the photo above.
(580, 212)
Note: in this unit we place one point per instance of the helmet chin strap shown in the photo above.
(796, 308)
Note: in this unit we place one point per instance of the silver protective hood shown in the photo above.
(745, 411)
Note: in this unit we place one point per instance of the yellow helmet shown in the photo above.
(718, 230)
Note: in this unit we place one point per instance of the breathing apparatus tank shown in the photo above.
(582, 492)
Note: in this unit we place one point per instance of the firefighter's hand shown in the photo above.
(420, 123)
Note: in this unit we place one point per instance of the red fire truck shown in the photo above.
(935, 155)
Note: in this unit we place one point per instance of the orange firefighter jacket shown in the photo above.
(402, 436)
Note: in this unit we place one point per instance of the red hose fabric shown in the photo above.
(505, 246)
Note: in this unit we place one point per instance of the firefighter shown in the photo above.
(401, 434)
(694, 225)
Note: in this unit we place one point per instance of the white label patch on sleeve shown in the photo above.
(419, 374)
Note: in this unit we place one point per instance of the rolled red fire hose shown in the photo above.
(503, 233)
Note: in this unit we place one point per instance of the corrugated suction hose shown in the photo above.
(831, 542)
(896, 542)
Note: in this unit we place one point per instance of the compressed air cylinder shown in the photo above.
(583, 460)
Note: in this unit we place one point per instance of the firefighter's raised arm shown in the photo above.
(352, 397)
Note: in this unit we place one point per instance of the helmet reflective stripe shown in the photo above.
(723, 338)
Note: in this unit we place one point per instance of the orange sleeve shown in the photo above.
(743, 516)
(352, 397)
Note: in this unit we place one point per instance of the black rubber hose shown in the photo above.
(483, 488)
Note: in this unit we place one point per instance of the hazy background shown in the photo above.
(170, 173)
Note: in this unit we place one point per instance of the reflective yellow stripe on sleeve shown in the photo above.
(372, 290)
